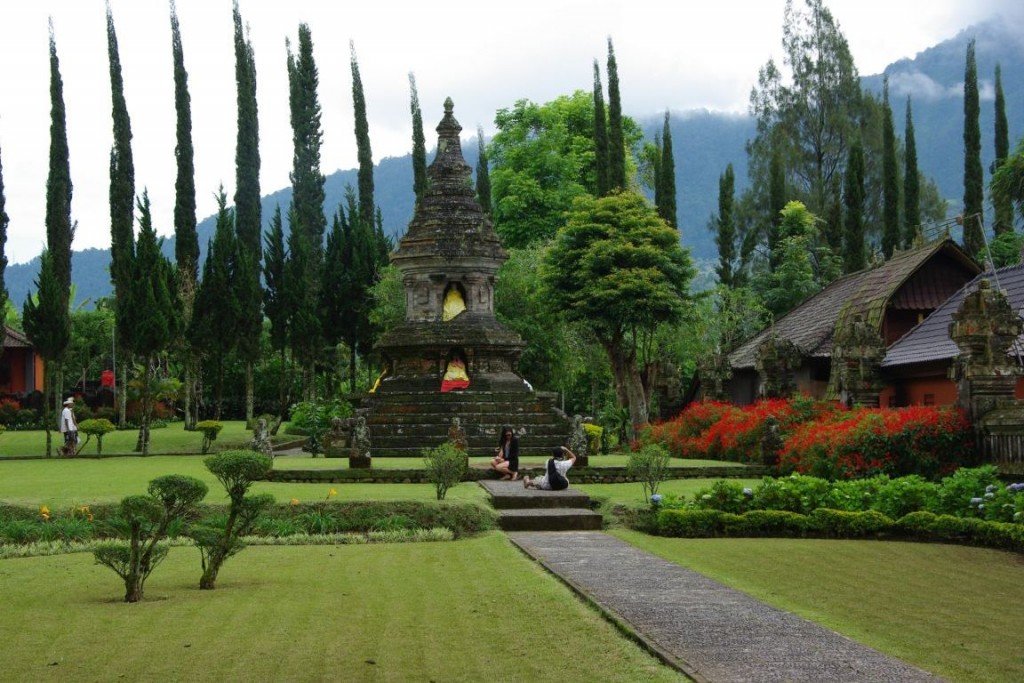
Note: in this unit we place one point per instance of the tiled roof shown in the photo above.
(811, 324)
(930, 341)
(14, 339)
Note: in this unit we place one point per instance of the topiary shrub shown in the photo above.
(650, 465)
(236, 471)
(95, 427)
(595, 438)
(209, 429)
(148, 518)
(445, 467)
(689, 523)
(843, 524)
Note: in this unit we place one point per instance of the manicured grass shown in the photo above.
(305, 462)
(62, 483)
(170, 439)
(418, 611)
(632, 494)
(952, 610)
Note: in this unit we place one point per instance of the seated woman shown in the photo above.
(506, 462)
(556, 468)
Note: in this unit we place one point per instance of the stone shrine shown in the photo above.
(451, 357)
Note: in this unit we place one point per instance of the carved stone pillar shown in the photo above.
(777, 360)
(856, 359)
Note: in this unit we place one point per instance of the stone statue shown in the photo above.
(457, 435)
(359, 453)
(261, 439)
(771, 442)
(578, 441)
(334, 441)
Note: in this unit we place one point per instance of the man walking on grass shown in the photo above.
(68, 427)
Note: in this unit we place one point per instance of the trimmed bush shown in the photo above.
(843, 524)
(98, 428)
(445, 467)
(209, 429)
(689, 523)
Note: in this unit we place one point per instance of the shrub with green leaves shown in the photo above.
(209, 429)
(313, 419)
(445, 467)
(98, 427)
(148, 518)
(595, 438)
(236, 471)
(649, 465)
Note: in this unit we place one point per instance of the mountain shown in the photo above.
(704, 143)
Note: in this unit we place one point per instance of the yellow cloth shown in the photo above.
(453, 304)
(456, 371)
(376, 385)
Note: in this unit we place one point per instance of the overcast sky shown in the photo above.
(681, 55)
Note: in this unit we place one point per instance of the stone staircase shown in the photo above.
(522, 509)
(403, 423)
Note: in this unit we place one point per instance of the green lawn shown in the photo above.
(953, 610)
(62, 483)
(632, 494)
(470, 610)
(170, 439)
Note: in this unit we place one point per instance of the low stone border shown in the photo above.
(582, 475)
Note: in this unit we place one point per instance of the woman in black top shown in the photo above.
(506, 461)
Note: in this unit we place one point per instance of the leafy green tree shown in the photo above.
(854, 249)
(543, 157)
(600, 136)
(812, 118)
(667, 177)
(186, 239)
(776, 203)
(248, 211)
(89, 346)
(1006, 248)
(48, 327)
(793, 280)
(276, 303)
(1002, 205)
(150, 311)
(338, 299)
(1008, 180)
(388, 300)
(237, 471)
(890, 179)
(725, 228)
(419, 145)
(366, 204)
(616, 131)
(618, 268)
(213, 331)
(911, 182)
(483, 173)
(974, 192)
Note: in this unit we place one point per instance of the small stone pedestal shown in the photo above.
(359, 462)
(359, 453)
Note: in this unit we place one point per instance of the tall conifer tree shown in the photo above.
(854, 249)
(1002, 206)
(483, 173)
(48, 327)
(4, 220)
(248, 214)
(600, 135)
(890, 179)
(186, 239)
(365, 175)
(616, 137)
(776, 202)
(725, 225)
(911, 182)
(275, 300)
(667, 177)
(974, 191)
(419, 144)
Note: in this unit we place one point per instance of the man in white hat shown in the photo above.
(68, 427)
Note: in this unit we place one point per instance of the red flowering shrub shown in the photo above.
(924, 440)
(678, 435)
(9, 411)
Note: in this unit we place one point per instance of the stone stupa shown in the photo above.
(451, 357)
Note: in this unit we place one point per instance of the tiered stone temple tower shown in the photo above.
(449, 259)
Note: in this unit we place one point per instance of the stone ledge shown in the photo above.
(583, 475)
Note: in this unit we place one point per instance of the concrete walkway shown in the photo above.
(711, 632)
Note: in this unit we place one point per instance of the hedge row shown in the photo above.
(826, 523)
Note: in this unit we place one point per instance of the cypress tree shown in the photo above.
(667, 177)
(419, 145)
(4, 220)
(248, 215)
(616, 138)
(890, 179)
(725, 236)
(152, 313)
(306, 217)
(652, 152)
(776, 202)
(974, 192)
(275, 299)
(213, 329)
(854, 252)
(483, 174)
(911, 182)
(351, 255)
(365, 176)
(336, 300)
(186, 239)
(48, 327)
(1002, 205)
(600, 136)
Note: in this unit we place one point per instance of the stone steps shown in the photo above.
(549, 519)
(382, 433)
(523, 509)
(409, 417)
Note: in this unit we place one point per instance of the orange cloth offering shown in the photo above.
(455, 377)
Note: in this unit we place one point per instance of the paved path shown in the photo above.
(715, 633)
